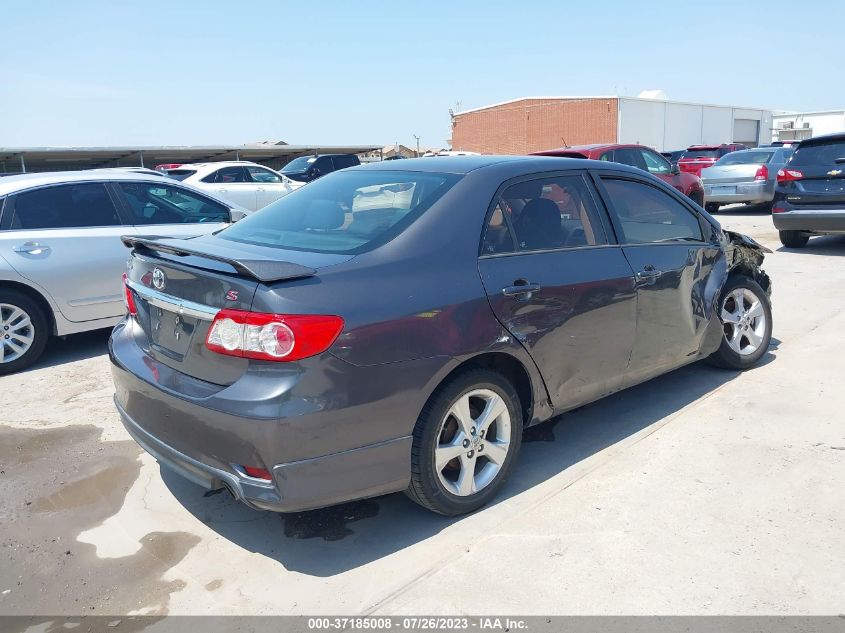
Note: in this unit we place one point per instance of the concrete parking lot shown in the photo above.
(703, 491)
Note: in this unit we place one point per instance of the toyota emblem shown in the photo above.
(159, 279)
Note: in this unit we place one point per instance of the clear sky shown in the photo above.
(342, 72)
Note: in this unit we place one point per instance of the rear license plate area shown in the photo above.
(723, 191)
(171, 332)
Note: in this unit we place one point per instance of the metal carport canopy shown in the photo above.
(33, 159)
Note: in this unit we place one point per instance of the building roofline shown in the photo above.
(834, 111)
(618, 97)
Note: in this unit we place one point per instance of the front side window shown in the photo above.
(259, 174)
(64, 206)
(345, 212)
(546, 213)
(655, 163)
(629, 156)
(649, 215)
(152, 203)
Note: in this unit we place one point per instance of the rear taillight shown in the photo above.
(778, 210)
(258, 473)
(129, 298)
(789, 175)
(762, 173)
(279, 337)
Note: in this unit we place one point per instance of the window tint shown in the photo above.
(701, 153)
(345, 160)
(825, 153)
(345, 212)
(64, 206)
(607, 156)
(648, 214)
(227, 175)
(746, 158)
(152, 203)
(323, 165)
(556, 212)
(299, 164)
(629, 156)
(655, 163)
(259, 174)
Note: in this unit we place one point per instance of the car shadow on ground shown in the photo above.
(830, 245)
(72, 348)
(333, 540)
(744, 210)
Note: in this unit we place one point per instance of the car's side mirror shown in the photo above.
(675, 170)
(236, 214)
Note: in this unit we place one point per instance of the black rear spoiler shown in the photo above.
(259, 269)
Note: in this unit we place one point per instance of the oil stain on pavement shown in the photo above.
(329, 524)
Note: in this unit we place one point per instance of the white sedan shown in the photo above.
(247, 184)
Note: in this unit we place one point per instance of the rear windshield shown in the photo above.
(746, 158)
(180, 174)
(819, 154)
(344, 212)
(700, 153)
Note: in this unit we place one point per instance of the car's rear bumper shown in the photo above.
(322, 448)
(751, 192)
(813, 221)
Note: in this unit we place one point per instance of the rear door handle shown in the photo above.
(520, 288)
(31, 248)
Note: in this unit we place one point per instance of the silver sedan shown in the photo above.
(747, 176)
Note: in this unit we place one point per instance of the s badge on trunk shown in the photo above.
(232, 295)
(159, 279)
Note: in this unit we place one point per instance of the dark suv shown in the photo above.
(308, 168)
(810, 192)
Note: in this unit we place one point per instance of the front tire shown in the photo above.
(711, 207)
(794, 239)
(466, 442)
(746, 315)
(23, 331)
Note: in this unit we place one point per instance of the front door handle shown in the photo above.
(222, 190)
(520, 287)
(648, 273)
(31, 248)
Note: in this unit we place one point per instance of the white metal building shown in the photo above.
(675, 125)
(796, 126)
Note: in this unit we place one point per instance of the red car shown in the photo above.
(697, 157)
(637, 156)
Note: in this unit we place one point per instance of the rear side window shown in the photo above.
(649, 215)
(546, 213)
(227, 175)
(153, 203)
(828, 154)
(345, 212)
(64, 206)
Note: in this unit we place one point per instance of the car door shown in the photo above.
(65, 239)
(559, 285)
(270, 186)
(663, 240)
(233, 183)
(162, 208)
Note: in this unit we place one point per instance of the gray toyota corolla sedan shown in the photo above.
(392, 328)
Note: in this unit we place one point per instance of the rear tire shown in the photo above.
(794, 239)
(454, 467)
(746, 315)
(23, 331)
(711, 207)
(697, 197)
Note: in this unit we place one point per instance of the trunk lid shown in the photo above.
(180, 285)
(730, 173)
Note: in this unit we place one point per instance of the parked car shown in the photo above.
(638, 156)
(792, 144)
(307, 168)
(747, 176)
(249, 185)
(320, 351)
(810, 193)
(697, 157)
(61, 257)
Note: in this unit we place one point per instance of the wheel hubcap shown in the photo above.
(744, 321)
(473, 442)
(18, 332)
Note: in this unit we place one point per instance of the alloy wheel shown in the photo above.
(17, 332)
(473, 442)
(744, 321)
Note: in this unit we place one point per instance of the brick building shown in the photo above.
(534, 124)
